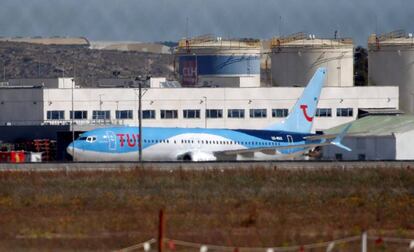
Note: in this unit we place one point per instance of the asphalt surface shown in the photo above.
(171, 166)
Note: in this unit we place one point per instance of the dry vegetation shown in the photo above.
(23, 60)
(111, 210)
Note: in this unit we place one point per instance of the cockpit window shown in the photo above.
(82, 138)
(91, 139)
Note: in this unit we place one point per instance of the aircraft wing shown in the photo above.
(322, 140)
(270, 150)
(330, 136)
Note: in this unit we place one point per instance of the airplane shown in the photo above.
(288, 139)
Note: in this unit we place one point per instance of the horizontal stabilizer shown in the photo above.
(338, 139)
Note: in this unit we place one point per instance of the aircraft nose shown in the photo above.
(70, 148)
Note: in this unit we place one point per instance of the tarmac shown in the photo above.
(172, 166)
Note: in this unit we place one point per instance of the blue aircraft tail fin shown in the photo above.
(301, 117)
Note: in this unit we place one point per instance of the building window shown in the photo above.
(323, 112)
(56, 115)
(258, 113)
(214, 113)
(79, 114)
(338, 156)
(191, 113)
(235, 113)
(344, 112)
(280, 112)
(361, 157)
(148, 114)
(123, 114)
(101, 114)
(169, 114)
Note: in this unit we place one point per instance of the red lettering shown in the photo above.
(121, 139)
(131, 144)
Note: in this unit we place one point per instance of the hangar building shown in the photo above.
(375, 138)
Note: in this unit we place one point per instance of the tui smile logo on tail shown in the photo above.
(305, 113)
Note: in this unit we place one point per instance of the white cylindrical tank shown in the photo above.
(215, 62)
(296, 58)
(391, 63)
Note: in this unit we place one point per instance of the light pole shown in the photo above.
(139, 121)
(139, 117)
(205, 111)
(100, 114)
(140, 79)
(73, 117)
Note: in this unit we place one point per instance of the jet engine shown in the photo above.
(197, 156)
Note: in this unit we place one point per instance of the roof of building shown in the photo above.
(210, 41)
(377, 126)
(395, 38)
(301, 39)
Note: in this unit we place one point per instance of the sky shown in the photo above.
(166, 20)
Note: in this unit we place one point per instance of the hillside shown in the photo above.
(23, 60)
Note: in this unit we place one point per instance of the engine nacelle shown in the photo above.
(197, 156)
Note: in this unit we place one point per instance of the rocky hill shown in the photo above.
(23, 60)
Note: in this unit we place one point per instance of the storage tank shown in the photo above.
(295, 58)
(216, 62)
(391, 62)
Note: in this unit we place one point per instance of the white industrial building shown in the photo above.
(296, 57)
(391, 59)
(185, 107)
(375, 138)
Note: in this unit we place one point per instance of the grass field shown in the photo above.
(256, 207)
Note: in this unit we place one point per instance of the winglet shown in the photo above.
(338, 139)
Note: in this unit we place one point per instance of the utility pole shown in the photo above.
(205, 112)
(140, 121)
(73, 117)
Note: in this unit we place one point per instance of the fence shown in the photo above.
(362, 241)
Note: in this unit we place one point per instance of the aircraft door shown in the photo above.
(111, 140)
(290, 142)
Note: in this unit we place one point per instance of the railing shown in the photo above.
(284, 41)
(218, 42)
(64, 122)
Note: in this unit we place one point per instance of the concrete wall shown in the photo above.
(48, 83)
(404, 142)
(229, 81)
(373, 147)
(21, 106)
